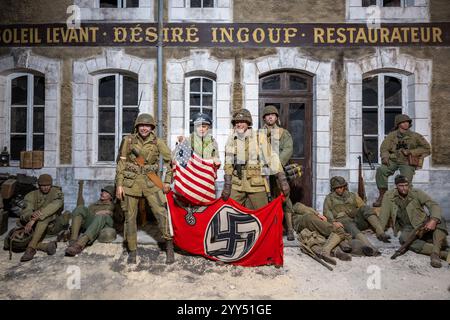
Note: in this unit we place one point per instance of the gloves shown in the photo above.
(226, 188)
(283, 183)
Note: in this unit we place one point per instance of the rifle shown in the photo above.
(151, 175)
(361, 188)
(367, 154)
(307, 250)
(416, 234)
(80, 198)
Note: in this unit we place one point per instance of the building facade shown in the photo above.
(76, 103)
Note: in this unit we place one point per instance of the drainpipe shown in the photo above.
(160, 77)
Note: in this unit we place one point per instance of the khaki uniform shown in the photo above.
(50, 205)
(407, 214)
(252, 152)
(91, 222)
(390, 148)
(348, 209)
(205, 147)
(136, 184)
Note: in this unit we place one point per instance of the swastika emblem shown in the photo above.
(231, 234)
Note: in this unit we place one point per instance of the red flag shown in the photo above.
(194, 176)
(229, 232)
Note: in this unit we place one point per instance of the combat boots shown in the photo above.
(341, 255)
(377, 202)
(51, 248)
(28, 255)
(367, 247)
(76, 247)
(77, 221)
(435, 260)
(332, 241)
(170, 256)
(376, 224)
(131, 257)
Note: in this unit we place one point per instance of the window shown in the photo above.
(383, 99)
(201, 98)
(27, 114)
(385, 3)
(118, 107)
(119, 3)
(202, 3)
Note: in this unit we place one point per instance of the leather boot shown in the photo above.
(290, 229)
(77, 247)
(377, 202)
(341, 255)
(435, 260)
(51, 248)
(28, 255)
(375, 222)
(170, 256)
(331, 243)
(345, 246)
(368, 248)
(131, 257)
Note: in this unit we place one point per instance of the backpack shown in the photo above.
(17, 240)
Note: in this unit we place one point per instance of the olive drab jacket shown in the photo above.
(281, 141)
(50, 204)
(415, 208)
(336, 207)
(206, 147)
(252, 153)
(130, 175)
(415, 142)
(101, 206)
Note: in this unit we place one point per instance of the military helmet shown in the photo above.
(45, 180)
(242, 115)
(402, 118)
(107, 235)
(401, 179)
(17, 240)
(270, 109)
(202, 118)
(337, 182)
(110, 189)
(145, 118)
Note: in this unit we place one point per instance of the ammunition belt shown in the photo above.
(141, 170)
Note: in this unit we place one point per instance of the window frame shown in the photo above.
(188, 5)
(381, 108)
(118, 116)
(379, 4)
(187, 109)
(29, 107)
(121, 4)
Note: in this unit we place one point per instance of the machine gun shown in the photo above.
(416, 234)
(361, 188)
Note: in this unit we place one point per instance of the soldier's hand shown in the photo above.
(338, 225)
(385, 161)
(181, 139)
(36, 214)
(322, 217)
(405, 152)
(431, 225)
(119, 193)
(166, 188)
(29, 226)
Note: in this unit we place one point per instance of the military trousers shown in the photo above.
(157, 202)
(385, 171)
(312, 222)
(92, 223)
(357, 221)
(39, 231)
(250, 200)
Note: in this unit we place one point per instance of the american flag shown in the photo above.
(194, 176)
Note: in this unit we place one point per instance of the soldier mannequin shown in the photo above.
(245, 154)
(281, 140)
(405, 205)
(394, 151)
(346, 209)
(132, 182)
(41, 208)
(96, 220)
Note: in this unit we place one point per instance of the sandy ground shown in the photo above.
(101, 272)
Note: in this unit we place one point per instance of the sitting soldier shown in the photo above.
(96, 221)
(41, 209)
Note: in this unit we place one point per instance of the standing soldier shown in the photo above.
(346, 209)
(42, 207)
(96, 220)
(201, 140)
(136, 176)
(405, 206)
(247, 154)
(396, 151)
(281, 141)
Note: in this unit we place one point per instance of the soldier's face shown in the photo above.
(403, 189)
(270, 119)
(241, 126)
(340, 190)
(144, 130)
(202, 129)
(45, 189)
(105, 196)
(404, 125)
